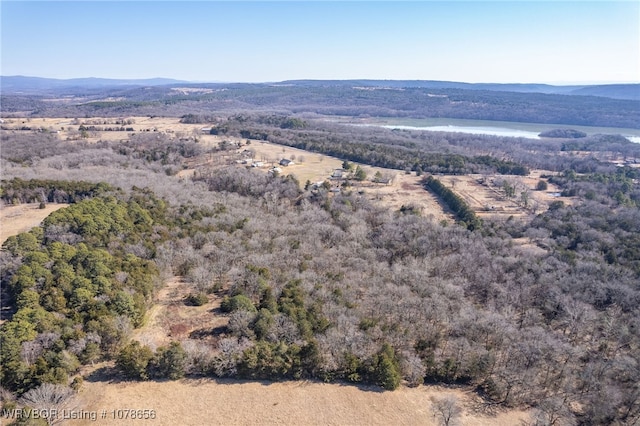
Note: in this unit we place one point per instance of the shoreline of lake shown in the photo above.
(492, 128)
(491, 131)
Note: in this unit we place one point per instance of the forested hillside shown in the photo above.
(331, 98)
(321, 285)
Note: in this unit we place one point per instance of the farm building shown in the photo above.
(337, 174)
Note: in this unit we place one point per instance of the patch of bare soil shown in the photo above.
(21, 218)
(231, 402)
(171, 319)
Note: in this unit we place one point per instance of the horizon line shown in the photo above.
(554, 83)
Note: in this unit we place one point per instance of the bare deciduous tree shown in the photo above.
(230, 351)
(413, 369)
(49, 397)
(552, 412)
(446, 410)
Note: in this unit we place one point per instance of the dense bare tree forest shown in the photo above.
(328, 286)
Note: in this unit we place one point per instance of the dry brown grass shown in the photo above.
(487, 199)
(233, 402)
(21, 218)
(406, 190)
(66, 127)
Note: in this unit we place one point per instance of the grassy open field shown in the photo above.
(21, 218)
(233, 402)
(68, 127)
(485, 195)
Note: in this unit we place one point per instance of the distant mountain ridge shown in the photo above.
(615, 91)
(20, 83)
(40, 85)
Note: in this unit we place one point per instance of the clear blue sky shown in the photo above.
(477, 41)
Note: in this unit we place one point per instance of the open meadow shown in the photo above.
(194, 402)
(20, 218)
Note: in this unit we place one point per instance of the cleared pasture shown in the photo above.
(235, 402)
(21, 218)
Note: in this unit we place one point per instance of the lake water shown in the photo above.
(488, 127)
(529, 131)
(492, 131)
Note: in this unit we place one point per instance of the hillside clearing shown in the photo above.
(169, 318)
(21, 218)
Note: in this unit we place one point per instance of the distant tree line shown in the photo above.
(615, 143)
(197, 119)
